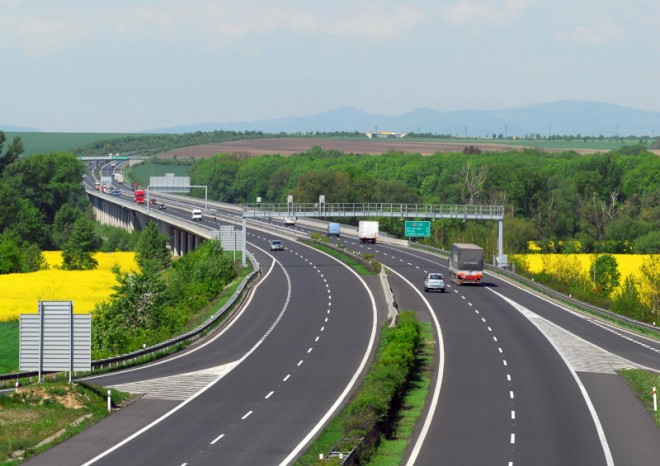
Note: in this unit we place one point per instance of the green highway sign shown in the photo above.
(418, 229)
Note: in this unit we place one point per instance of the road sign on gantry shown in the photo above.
(418, 229)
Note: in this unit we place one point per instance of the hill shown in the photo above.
(558, 118)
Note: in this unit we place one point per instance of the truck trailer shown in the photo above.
(368, 231)
(466, 263)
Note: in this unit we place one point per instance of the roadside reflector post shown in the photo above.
(655, 400)
(109, 400)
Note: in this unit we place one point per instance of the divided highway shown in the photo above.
(523, 381)
(520, 379)
(257, 392)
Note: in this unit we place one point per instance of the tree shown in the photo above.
(518, 232)
(605, 273)
(473, 180)
(133, 316)
(10, 255)
(63, 223)
(77, 253)
(14, 151)
(650, 286)
(152, 249)
(627, 301)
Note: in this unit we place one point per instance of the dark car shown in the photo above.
(116, 193)
(161, 206)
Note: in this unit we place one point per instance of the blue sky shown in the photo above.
(124, 66)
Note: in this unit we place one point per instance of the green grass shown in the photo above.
(33, 414)
(342, 256)
(142, 172)
(642, 383)
(9, 347)
(391, 451)
(44, 143)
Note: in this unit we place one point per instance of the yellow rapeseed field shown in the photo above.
(628, 264)
(20, 292)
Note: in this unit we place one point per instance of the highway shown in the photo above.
(256, 392)
(523, 381)
(519, 379)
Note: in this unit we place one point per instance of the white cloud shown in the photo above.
(584, 35)
(50, 27)
(378, 23)
(469, 11)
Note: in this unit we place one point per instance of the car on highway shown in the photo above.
(152, 201)
(197, 214)
(276, 245)
(116, 193)
(161, 206)
(434, 282)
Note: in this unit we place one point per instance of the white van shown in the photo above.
(196, 214)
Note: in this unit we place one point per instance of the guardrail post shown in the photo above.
(655, 400)
(109, 400)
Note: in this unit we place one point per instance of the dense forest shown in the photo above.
(607, 202)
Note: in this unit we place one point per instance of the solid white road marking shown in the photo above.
(217, 438)
(537, 320)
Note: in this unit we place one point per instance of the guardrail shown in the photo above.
(187, 337)
(550, 292)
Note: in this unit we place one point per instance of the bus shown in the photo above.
(139, 196)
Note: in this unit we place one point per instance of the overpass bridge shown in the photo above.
(382, 210)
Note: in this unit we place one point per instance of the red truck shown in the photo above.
(139, 196)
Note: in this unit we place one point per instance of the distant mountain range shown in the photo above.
(557, 118)
(561, 118)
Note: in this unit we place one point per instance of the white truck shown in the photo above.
(466, 263)
(368, 231)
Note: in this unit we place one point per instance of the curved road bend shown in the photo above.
(508, 396)
(302, 338)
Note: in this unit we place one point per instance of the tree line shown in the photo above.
(567, 202)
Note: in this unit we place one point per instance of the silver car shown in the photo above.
(434, 282)
(276, 245)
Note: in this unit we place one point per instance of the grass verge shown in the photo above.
(413, 396)
(38, 417)
(642, 383)
(391, 450)
(346, 257)
(8, 347)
